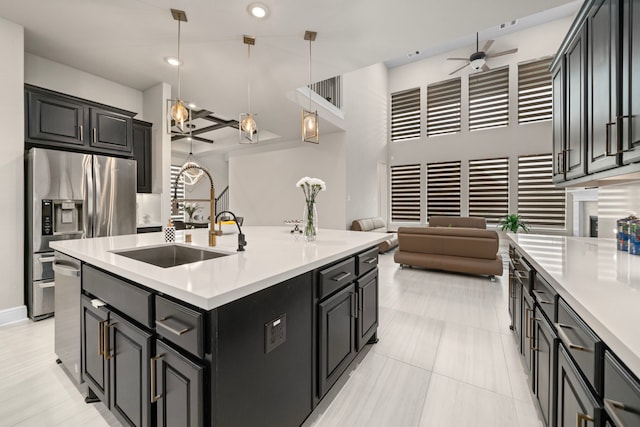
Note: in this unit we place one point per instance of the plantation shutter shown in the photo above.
(489, 99)
(534, 91)
(405, 115)
(180, 194)
(489, 189)
(405, 193)
(540, 203)
(443, 189)
(443, 107)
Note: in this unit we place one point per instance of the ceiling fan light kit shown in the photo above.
(478, 60)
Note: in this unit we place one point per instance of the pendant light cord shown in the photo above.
(179, 61)
(309, 75)
(249, 78)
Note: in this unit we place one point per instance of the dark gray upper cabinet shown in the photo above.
(603, 40)
(630, 62)
(142, 154)
(558, 134)
(111, 131)
(54, 119)
(573, 157)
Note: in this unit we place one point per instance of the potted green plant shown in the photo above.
(513, 223)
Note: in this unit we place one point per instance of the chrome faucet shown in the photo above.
(212, 199)
(242, 242)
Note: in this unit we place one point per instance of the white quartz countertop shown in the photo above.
(599, 282)
(272, 255)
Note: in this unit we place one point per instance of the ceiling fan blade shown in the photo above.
(504, 52)
(457, 59)
(487, 45)
(458, 69)
(485, 67)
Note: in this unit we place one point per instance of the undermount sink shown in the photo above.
(170, 255)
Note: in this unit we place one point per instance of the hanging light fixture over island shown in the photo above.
(310, 118)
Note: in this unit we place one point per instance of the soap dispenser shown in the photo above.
(169, 232)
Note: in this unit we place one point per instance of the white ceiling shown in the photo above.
(126, 40)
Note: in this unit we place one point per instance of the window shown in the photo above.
(540, 203)
(443, 107)
(405, 193)
(443, 189)
(489, 99)
(534, 91)
(405, 115)
(180, 194)
(489, 189)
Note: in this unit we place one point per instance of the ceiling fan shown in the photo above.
(478, 59)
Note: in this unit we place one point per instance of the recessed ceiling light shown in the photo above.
(192, 105)
(259, 10)
(172, 60)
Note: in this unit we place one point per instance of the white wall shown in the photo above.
(11, 172)
(615, 202)
(262, 184)
(365, 103)
(511, 141)
(52, 75)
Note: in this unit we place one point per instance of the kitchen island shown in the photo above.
(251, 338)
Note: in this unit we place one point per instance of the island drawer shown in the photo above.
(180, 325)
(545, 296)
(123, 296)
(621, 393)
(335, 277)
(367, 261)
(582, 343)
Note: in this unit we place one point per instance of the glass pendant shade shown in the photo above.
(191, 172)
(178, 116)
(310, 126)
(248, 129)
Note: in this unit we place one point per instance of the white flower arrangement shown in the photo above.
(191, 208)
(311, 187)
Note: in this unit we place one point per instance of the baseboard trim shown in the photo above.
(13, 315)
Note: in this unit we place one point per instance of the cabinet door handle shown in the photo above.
(539, 295)
(81, 133)
(162, 323)
(581, 419)
(107, 354)
(370, 260)
(558, 164)
(565, 338)
(354, 304)
(101, 337)
(612, 406)
(341, 276)
(95, 137)
(152, 362)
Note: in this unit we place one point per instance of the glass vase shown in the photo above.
(310, 222)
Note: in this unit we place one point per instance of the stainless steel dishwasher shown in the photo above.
(67, 313)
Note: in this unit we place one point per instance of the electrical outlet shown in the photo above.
(275, 333)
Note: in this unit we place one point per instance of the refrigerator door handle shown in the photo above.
(88, 195)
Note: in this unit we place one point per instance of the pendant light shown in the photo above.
(310, 118)
(177, 109)
(248, 130)
(192, 172)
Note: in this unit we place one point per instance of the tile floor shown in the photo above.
(446, 358)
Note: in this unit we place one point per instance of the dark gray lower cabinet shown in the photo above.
(179, 389)
(576, 404)
(367, 307)
(116, 358)
(527, 343)
(621, 393)
(545, 344)
(94, 369)
(337, 336)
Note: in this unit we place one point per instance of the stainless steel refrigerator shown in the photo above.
(70, 196)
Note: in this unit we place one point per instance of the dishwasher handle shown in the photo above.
(65, 270)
